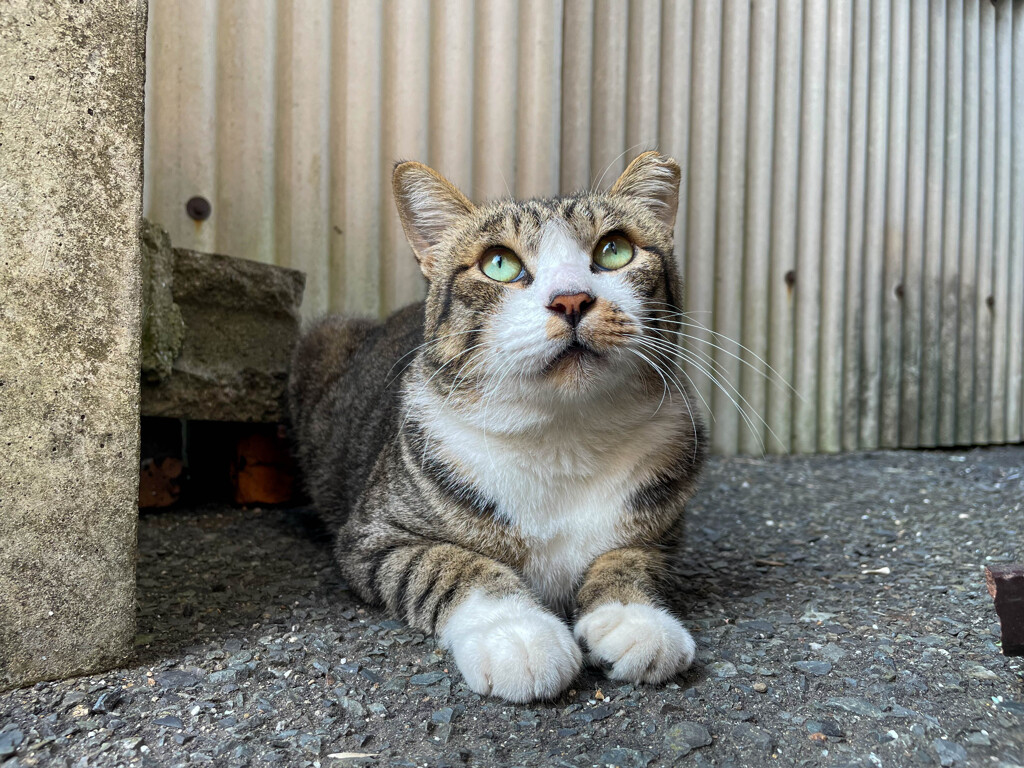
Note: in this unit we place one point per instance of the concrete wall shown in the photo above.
(71, 119)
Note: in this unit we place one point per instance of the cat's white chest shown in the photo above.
(565, 491)
(565, 520)
(585, 525)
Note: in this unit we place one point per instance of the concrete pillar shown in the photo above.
(71, 111)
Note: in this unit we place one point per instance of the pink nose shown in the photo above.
(572, 305)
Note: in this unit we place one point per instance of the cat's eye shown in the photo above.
(502, 265)
(613, 251)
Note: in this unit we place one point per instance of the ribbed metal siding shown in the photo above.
(853, 204)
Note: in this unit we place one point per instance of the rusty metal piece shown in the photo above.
(1006, 586)
(159, 482)
(262, 471)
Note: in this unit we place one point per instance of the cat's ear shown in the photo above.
(652, 179)
(428, 205)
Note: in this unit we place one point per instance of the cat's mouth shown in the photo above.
(576, 353)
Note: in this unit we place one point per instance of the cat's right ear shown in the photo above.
(428, 205)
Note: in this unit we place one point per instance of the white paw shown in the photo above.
(643, 644)
(511, 648)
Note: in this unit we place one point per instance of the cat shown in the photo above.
(512, 455)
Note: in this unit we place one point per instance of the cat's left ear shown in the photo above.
(428, 205)
(652, 179)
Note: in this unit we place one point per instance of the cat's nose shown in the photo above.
(572, 305)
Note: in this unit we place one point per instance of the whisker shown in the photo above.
(682, 394)
(486, 347)
(709, 367)
(645, 340)
(779, 378)
(608, 167)
(426, 384)
(427, 343)
(657, 370)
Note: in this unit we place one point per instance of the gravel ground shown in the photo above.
(838, 605)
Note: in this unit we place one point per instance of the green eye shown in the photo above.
(502, 265)
(613, 251)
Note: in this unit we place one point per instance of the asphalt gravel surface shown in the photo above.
(838, 603)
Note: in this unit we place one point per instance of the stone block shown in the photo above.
(71, 126)
(163, 330)
(240, 321)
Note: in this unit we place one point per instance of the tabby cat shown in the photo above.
(506, 464)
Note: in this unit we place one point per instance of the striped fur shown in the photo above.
(492, 470)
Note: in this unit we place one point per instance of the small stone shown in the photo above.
(979, 672)
(442, 690)
(978, 739)
(760, 687)
(169, 721)
(445, 715)
(620, 757)
(243, 752)
(224, 677)
(176, 678)
(856, 706)
(396, 684)
(370, 675)
(723, 669)
(824, 727)
(10, 741)
(758, 626)
(132, 743)
(311, 744)
(922, 757)
(594, 714)
(72, 698)
(686, 736)
(757, 738)
(950, 753)
(814, 667)
(355, 708)
(106, 702)
(426, 678)
(443, 733)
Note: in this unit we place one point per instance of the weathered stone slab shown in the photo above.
(71, 124)
(240, 322)
(163, 330)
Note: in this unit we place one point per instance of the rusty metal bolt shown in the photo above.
(198, 208)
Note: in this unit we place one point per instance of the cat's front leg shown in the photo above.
(504, 642)
(622, 623)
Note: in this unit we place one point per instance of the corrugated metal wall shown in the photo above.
(853, 205)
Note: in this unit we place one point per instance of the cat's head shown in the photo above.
(559, 296)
